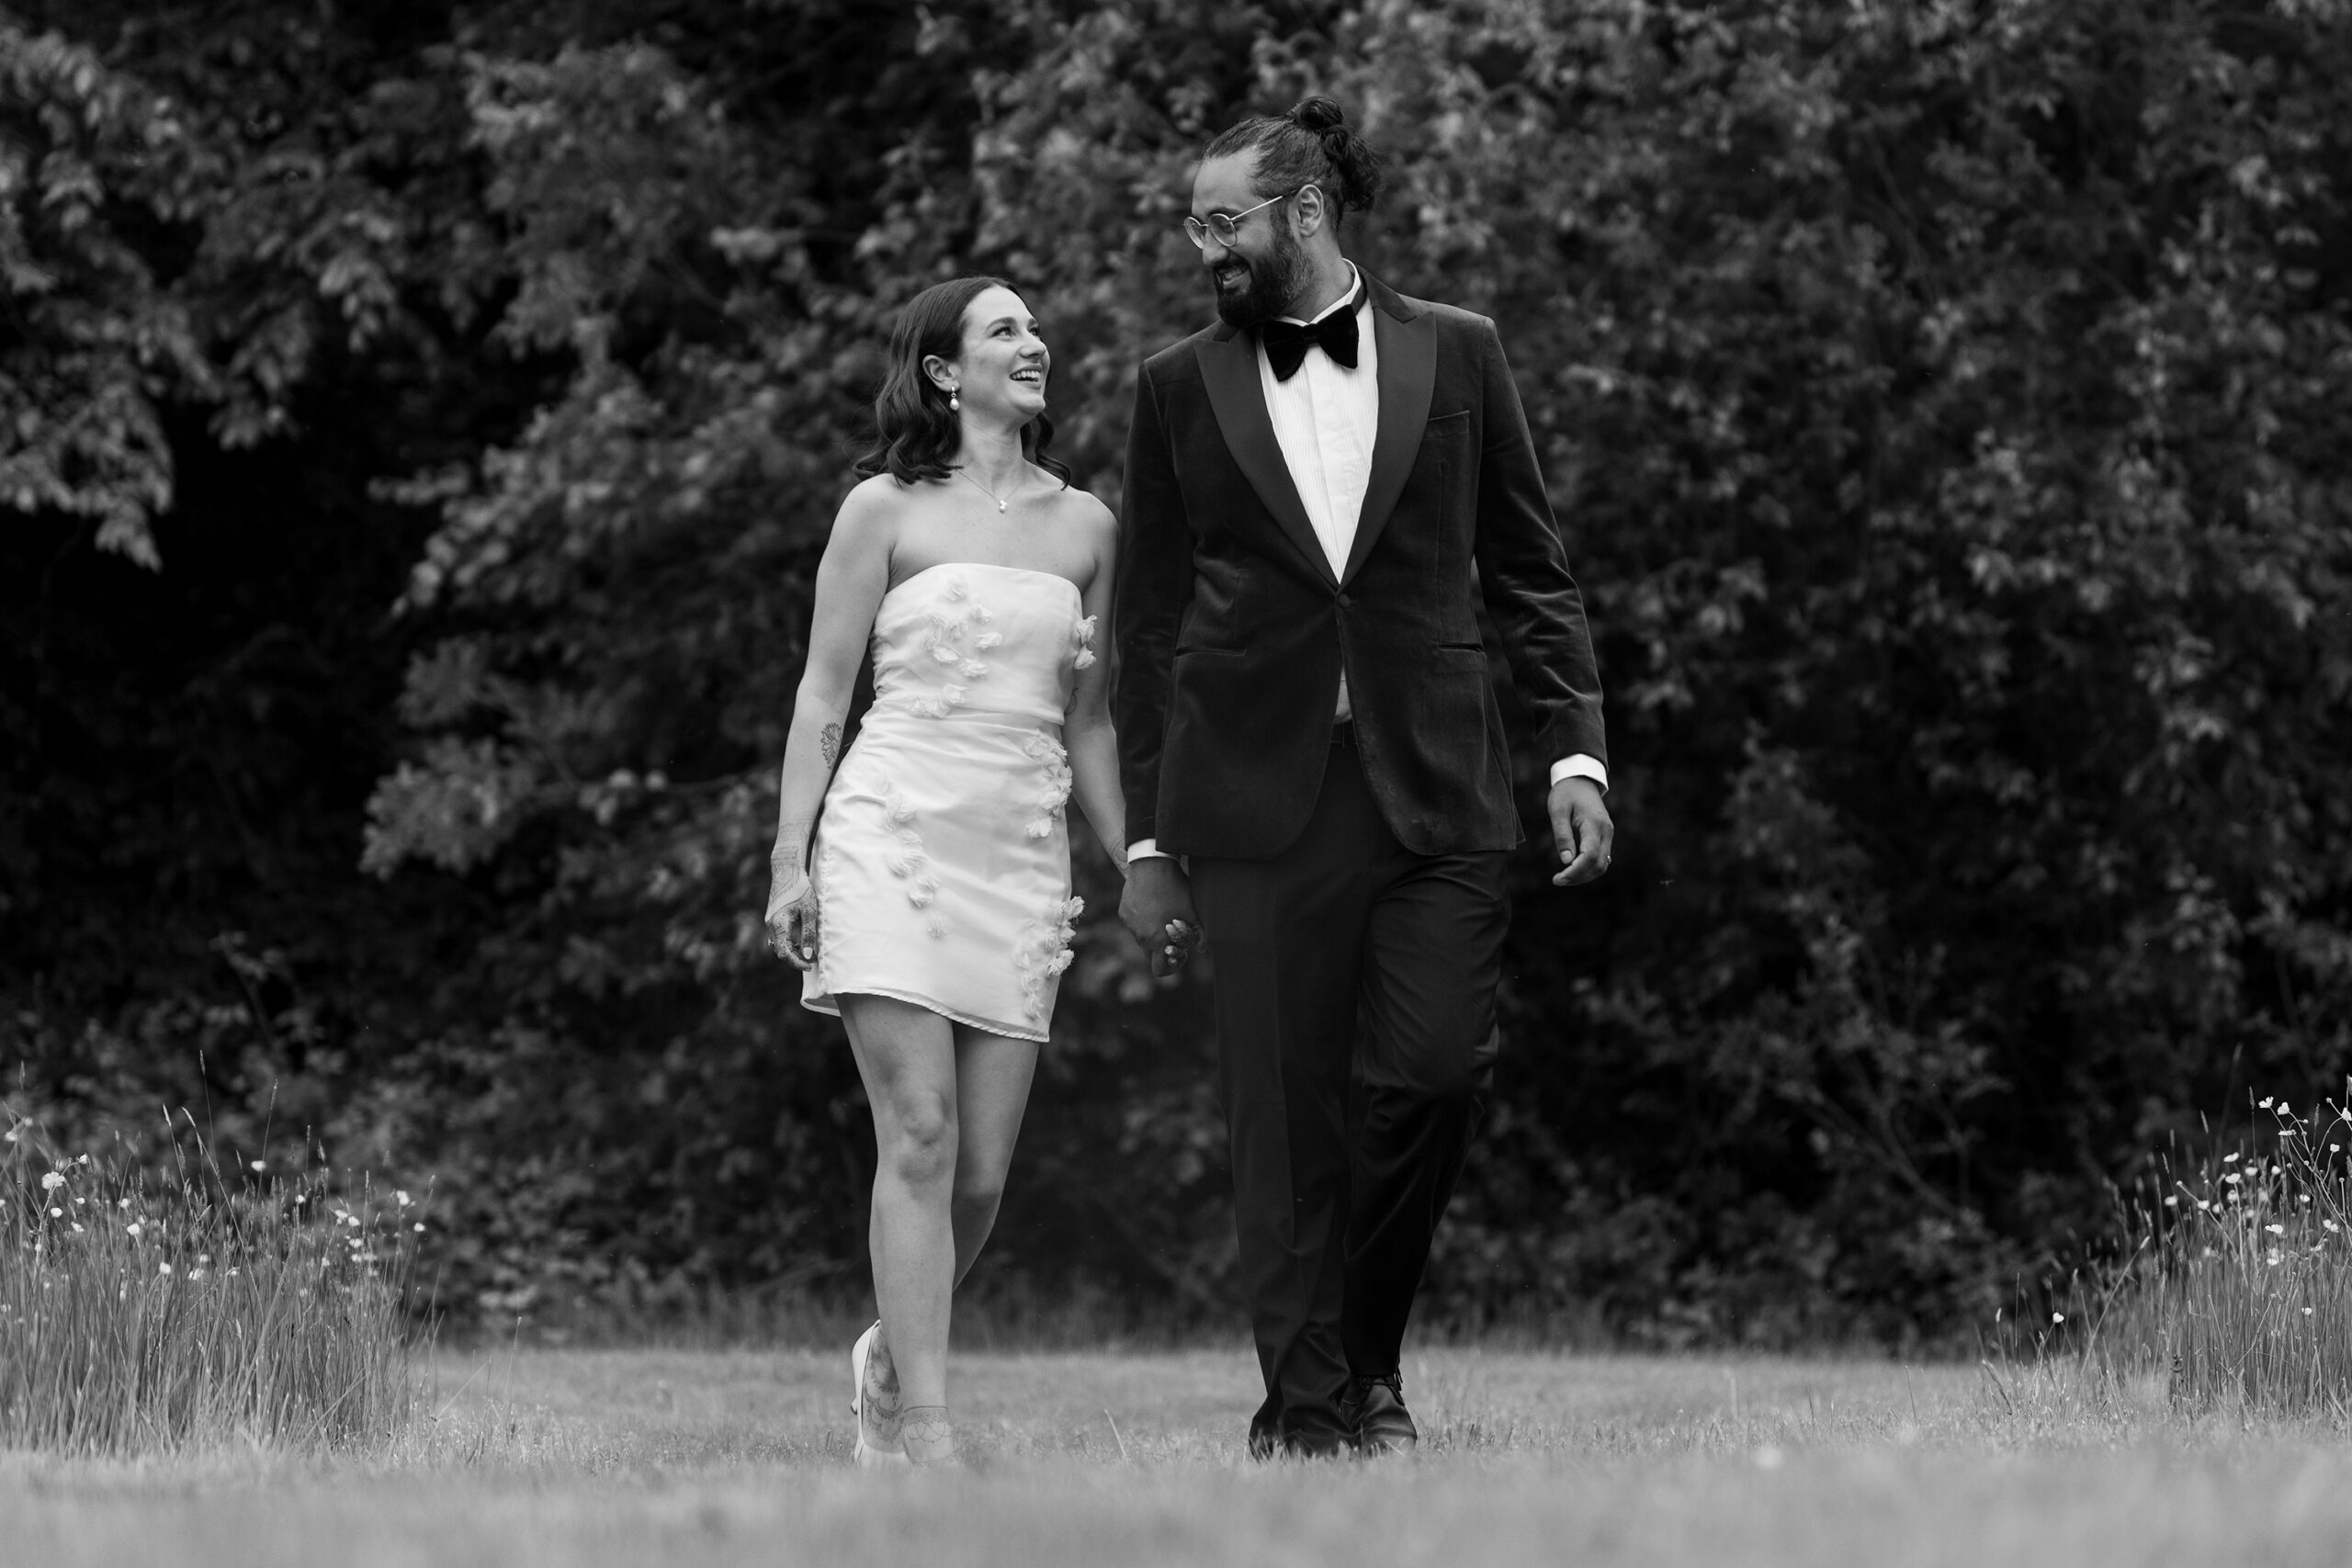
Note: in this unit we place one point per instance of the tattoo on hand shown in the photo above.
(829, 742)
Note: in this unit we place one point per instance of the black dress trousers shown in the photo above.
(1345, 928)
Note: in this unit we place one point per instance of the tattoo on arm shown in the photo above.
(791, 846)
(830, 743)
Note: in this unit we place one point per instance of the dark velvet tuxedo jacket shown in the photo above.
(1232, 628)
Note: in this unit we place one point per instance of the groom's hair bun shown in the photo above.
(1311, 143)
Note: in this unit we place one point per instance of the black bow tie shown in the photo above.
(1287, 342)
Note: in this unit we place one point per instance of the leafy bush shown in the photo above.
(1945, 409)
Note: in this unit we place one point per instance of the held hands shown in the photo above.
(792, 914)
(1581, 828)
(1157, 909)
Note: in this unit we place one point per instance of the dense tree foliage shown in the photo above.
(422, 422)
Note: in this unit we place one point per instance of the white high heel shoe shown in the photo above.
(868, 1456)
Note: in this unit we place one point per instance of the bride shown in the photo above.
(934, 913)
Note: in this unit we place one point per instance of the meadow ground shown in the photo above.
(687, 1457)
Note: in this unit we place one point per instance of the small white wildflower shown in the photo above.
(2275, 1229)
(162, 1268)
(420, 1230)
(402, 1196)
(77, 1230)
(122, 1203)
(196, 1273)
(261, 1165)
(2230, 1159)
(2267, 1100)
(51, 1182)
(2057, 1317)
(2328, 1226)
(2173, 1201)
(134, 1228)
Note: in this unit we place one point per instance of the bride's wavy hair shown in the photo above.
(916, 434)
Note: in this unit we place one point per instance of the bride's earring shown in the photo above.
(954, 402)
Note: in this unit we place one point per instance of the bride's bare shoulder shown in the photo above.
(878, 505)
(1084, 512)
(882, 492)
(1069, 499)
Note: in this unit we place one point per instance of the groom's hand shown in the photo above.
(1581, 828)
(1157, 909)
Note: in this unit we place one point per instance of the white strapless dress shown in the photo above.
(942, 859)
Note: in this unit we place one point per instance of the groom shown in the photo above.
(1319, 491)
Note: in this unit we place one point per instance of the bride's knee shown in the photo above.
(920, 1148)
(976, 1200)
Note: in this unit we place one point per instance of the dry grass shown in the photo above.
(687, 1457)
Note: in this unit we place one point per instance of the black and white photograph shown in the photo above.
(1166, 783)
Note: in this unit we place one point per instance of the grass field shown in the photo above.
(630, 1457)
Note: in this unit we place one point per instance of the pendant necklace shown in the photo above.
(1001, 503)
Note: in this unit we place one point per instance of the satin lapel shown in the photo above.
(1229, 372)
(1407, 372)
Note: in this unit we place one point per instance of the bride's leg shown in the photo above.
(907, 1056)
(992, 1076)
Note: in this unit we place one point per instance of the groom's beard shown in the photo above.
(1269, 285)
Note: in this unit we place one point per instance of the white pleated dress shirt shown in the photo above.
(1326, 419)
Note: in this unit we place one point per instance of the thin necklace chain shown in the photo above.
(1001, 502)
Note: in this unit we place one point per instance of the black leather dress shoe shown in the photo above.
(1376, 1410)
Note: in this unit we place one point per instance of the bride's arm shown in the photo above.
(1086, 732)
(852, 576)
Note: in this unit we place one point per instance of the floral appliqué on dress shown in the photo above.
(1081, 643)
(958, 619)
(1044, 952)
(910, 859)
(1054, 793)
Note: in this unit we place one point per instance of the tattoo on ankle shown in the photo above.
(925, 1427)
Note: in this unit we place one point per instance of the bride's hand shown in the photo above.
(792, 916)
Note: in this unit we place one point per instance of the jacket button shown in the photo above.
(1345, 601)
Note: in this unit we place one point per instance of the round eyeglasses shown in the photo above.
(1225, 228)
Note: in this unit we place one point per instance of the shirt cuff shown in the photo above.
(1147, 848)
(1579, 766)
